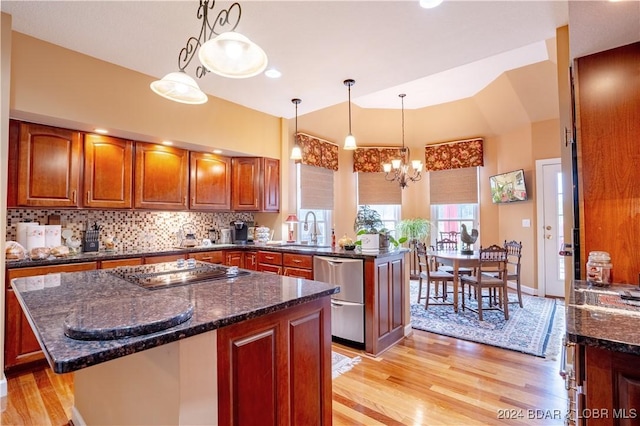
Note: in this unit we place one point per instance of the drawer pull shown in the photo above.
(269, 257)
(297, 261)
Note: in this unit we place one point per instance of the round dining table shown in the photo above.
(456, 260)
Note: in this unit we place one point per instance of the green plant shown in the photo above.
(367, 220)
(416, 229)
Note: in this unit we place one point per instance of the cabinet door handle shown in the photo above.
(73, 195)
(88, 196)
(193, 200)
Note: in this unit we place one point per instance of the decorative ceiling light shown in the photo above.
(398, 170)
(350, 140)
(296, 152)
(229, 54)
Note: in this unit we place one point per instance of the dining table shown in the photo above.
(456, 260)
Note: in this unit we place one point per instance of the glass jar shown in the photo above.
(599, 268)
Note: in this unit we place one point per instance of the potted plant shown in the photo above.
(372, 235)
(414, 230)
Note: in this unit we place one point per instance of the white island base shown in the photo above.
(172, 384)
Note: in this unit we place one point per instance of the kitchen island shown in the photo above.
(230, 350)
(603, 375)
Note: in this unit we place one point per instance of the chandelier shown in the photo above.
(220, 51)
(398, 169)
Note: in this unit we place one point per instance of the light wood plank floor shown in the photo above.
(427, 379)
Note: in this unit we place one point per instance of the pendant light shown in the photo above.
(296, 152)
(350, 140)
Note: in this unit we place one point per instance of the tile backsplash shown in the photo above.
(133, 230)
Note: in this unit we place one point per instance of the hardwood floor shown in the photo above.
(427, 379)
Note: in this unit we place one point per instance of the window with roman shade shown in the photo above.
(316, 188)
(455, 186)
(374, 189)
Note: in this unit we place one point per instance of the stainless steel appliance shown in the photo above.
(347, 307)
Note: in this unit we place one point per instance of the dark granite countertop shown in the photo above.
(112, 255)
(49, 303)
(597, 316)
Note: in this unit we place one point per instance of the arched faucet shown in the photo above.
(314, 231)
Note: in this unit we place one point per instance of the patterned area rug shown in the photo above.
(535, 329)
(341, 364)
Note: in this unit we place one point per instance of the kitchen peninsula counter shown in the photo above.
(598, 317)
(198, 370)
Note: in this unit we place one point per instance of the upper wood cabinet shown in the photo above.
(161, 177)
(48, 165)
(108, 171)
(210, 182)
(256, 184)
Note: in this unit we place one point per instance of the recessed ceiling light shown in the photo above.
(101, 131)
(430, 4)
(217, 151)
(273, 73)
(167, 143)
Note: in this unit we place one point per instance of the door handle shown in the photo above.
(548, 228)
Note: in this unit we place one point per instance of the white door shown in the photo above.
(551, 270)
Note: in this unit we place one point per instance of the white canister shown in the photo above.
(35, 236)
(52, 235)
(21, 232)
(599, 268)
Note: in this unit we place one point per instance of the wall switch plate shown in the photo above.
(526, 223)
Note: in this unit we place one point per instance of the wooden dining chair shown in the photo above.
(492, 260)
(428, 275)
(514, 254)
(447, 244)
(449, 235)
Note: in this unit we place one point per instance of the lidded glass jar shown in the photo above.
(599, 268)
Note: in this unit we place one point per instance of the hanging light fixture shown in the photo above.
(398, 169)
(350, 140)
(229, 54)
(296, 152)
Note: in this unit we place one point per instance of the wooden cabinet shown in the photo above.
(21, 347)
(209, 182)
(251, 260)
(298, 265)
(270, 262)
(208, 256)
(608, 125)
(108, 172)
(255, 184)
(610, 385)
(384, 301)
(163, 258)
(161, 177)
(44, 168)
(234, 258)
(277, 368)
(114, 263)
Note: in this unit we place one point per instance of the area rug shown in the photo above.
(341, 364)
(529, 329)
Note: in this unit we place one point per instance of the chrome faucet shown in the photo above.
(314, 231)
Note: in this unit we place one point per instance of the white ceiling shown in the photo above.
(388, 47)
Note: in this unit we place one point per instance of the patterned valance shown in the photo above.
(318, 152)
(370, 160)
(454, 155)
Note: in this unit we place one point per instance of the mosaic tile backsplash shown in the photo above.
(133, 230)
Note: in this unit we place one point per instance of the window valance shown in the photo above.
(318, 152)
(370, 160)
(454, 155)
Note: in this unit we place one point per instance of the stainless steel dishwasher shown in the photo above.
(347, 307)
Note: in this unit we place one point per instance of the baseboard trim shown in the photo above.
(525, 290)
(76, 418)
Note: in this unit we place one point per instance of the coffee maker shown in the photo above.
(239, 232)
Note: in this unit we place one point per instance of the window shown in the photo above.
(323, 222)
(449, 217)
(315, 194)
(390, 215)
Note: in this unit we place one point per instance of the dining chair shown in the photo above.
(492, 260)
(514, 254)
(449, 235)
(447, 244)
(428, 275)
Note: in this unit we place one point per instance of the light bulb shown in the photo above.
(350, 142)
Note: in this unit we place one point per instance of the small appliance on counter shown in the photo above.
(239, 232)
(225, 236)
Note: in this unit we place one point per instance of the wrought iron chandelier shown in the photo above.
(220, 50)
(398, 169)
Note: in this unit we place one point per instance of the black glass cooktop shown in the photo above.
(170, 274)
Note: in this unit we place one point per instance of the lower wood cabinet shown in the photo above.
(114, 263)
(298, 265)
(234, 258)
(163, 258)
(276, 369)
(208, 256)
(21, 347)
(611, 386)
(251, 260)
(270, 262)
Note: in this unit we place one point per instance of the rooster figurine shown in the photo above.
(467, 239)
